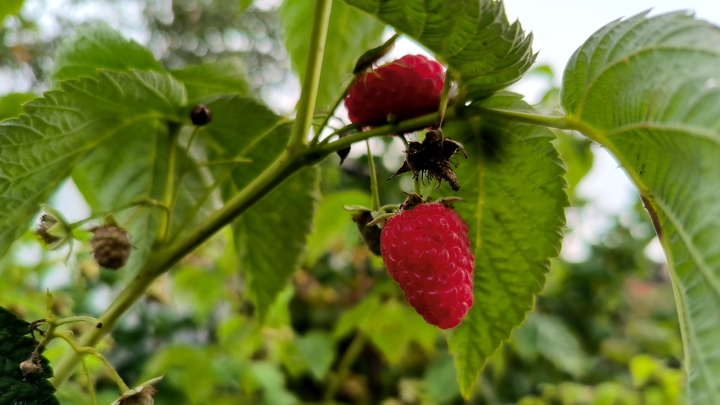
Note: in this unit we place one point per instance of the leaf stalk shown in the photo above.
(311, 81)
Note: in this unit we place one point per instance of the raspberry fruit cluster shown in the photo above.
(405, 88)
(427, 251)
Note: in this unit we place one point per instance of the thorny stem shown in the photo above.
(311, 81)
(285, 166)
(373, 179)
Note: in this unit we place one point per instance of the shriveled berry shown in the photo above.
(111, 246)
(405, 88)
(427, 251)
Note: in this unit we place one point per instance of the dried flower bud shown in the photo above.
(200, 115)
(29, 367)
(47, 221)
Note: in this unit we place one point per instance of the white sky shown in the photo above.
(561, 26)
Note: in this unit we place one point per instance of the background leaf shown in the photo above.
(270, 236)
(349, 35)
(98, 46)
(10, 7)
(11, 104)
(647, 89)
(473, 37)
(514, 209)
(331, 222)
(318, 350)
(224, 77)
(15, 347)
(548, 336)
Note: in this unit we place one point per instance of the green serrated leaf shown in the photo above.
(11, 104)
(350, 34)
(10, 7)
(648, 90)
(270, 236)
(98, 46)
(41, 148)
(514, 207)
(473, 37)
(16, 346)
(226, 77)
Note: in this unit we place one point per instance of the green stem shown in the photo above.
(177, 184)
(331, 112)
(166, 220)
(416, 185)
(82, 351)
(352, 352)
(90, 383)
(311, 81)
(144, 202)
(560, 122)
(373, 179)
(73, 319)
(220, 162)
(447, 84)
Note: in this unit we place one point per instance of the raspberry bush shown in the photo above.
(192, 157)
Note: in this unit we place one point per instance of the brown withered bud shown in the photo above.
(111, 246)
(144, 397)
(431, 158)
(47, 221)
(200, 115)
(29, 367)
(370, 234)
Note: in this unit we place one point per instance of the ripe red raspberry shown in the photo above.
(427, 251)
(405, 88)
